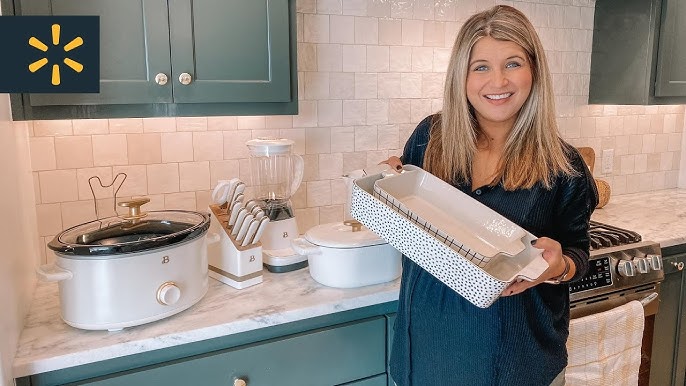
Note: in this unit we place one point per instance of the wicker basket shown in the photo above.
(603, 192)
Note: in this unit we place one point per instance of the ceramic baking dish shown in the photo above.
(463, 243)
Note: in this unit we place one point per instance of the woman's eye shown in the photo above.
(481, 68)
(513, 65)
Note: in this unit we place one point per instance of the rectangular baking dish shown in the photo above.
(466, 245)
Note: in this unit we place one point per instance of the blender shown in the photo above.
(276, 174)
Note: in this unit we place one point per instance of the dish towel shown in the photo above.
(605, 348)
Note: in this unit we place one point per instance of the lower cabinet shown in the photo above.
(349, 354)
(668, 362)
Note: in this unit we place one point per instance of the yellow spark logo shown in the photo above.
(38, 64)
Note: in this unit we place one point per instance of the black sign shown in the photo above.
(50, 54)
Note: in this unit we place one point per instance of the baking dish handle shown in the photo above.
(304, 247)
(534, 270)
(51, 272)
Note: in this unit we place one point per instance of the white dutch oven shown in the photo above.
(115, 273)
(348, 255)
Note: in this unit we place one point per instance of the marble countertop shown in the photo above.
(48, 344)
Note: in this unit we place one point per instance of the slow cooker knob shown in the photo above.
(168, 294)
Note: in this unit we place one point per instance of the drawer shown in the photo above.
(330, 356)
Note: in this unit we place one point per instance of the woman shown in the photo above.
(496, 139)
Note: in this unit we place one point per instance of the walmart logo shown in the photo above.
(50, 54)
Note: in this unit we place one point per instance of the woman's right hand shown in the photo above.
(393, 162)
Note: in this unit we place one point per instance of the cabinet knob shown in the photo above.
(679, 266)
(240, 382)
(161, 79)
(185, 78)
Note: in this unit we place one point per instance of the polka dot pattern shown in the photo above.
(443, 262)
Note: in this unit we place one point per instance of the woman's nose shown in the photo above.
(499, 78)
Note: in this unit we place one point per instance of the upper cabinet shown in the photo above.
(178, 58)
(638, 55)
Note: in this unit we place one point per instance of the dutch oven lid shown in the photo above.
(115, 235)
(347, 234)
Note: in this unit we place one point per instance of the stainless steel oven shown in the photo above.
(622, 268)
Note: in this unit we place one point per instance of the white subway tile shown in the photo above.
(296, 135)
(366, 86)
(410, 85)
(194, 176)
(653, 162)
(163, 178)
(52, 127)
(109, 150)
(329, 57)
(635, 124)
(674, 143)
(42, 151)
(432, 85)
(354, 58)
(342, 139)
(222, 123)
(330, 165)
(377, 111)
(422, 59)
(374, 157)
(307, 115)
(223, 170)
(191, 124)
(342, 85)
(318, 193)
(354, 113)
(423, 9)
(641, 163)
(306, 218)
(670, 124)
(144, 149)
(390, 32)
(329, 7)
(318, 140)
(366, 138)
(627, 163)
(49, 219)
(445, 10)
(378, 59)
(572, 17)
(355, 7)
(278, 122)
(316, 28)
(330, 113)
(177, 147)
(354, 161)
(250, 123)
(234, 144)
(180, 201)
(434, 34)
(150, 125)
(90, 126)
(399, 111)
(366, 30)
(208, 146)
(661, 143)
(330, 214)
(307, 57)
(306, 6)
(316, 85)
(136, 183)
(400, 59)
(602, 126)
(401, 9)
(58, 186)
(105, 175)
(441, 59)
(311, 172)
(648, 143)
(412, 32)
(388, 85)
(420, 109)
(388, 137)
(379, 9)
(77, 212)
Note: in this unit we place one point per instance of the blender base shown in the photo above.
(283, 260)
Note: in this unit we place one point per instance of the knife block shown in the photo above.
(229, 262)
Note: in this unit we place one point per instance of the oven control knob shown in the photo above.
(626, 268)
(655, 262)
(168, 294)
(642, 265)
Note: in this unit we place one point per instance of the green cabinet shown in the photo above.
(637, 53)
(668, 362)
(178, 58)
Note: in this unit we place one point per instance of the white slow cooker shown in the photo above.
(347, 254)
(121, 272)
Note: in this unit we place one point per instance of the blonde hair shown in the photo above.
(533, 150)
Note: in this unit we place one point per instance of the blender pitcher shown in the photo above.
(276, 174)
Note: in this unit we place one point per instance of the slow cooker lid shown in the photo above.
(113, 235)
(340, 235)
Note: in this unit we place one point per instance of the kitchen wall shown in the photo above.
(18, 237)
(369, 71)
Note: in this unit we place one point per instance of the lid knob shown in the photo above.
(134, 208)
(356, 225)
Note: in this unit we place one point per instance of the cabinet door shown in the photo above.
(234, 51)
(668, 323)
(331, 356)
(671, 61)
(134, 48)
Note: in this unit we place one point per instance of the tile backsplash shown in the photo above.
(368, 72)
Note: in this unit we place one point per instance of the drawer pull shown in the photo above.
(240, 382)
(679, 266)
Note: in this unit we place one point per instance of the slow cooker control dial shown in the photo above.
(168, 294)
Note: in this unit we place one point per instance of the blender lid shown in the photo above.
(269, 146)
(114, 236)
(340, 235)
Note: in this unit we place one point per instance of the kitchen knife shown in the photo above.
(234, 215)
(233, 211)
(239, 222)
(255, 210)
(254, 224)
(259, 214)
(240, 188)
(224, 191)
(260, 229)
(244, 227)
(250, 205)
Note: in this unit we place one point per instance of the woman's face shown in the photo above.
(499, 80)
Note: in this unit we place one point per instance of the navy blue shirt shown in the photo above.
(442, 339)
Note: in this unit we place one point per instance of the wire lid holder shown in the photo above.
(116, 191)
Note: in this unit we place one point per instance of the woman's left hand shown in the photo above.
(552, 253)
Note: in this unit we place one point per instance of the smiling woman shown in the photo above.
(496, 139)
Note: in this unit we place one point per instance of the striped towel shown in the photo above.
(605, 348)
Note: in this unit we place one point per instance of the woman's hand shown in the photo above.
(552, 253)
(394, 162)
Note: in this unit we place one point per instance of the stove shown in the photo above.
(623, 267)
